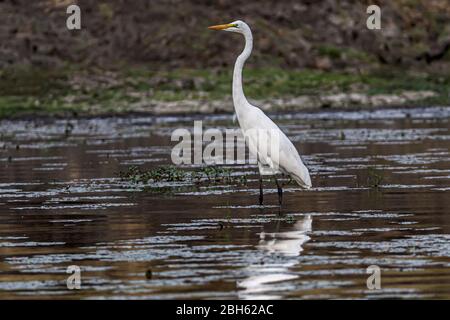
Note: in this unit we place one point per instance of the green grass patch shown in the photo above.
(35, 91)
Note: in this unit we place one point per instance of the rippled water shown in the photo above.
(62, 203)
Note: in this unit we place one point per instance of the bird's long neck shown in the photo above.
(239, 100)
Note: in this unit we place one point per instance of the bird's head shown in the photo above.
(237, 26)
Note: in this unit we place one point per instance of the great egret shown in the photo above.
(253, 121)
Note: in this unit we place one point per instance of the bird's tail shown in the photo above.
(303, 179)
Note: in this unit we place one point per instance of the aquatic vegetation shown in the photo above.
(374, 177)
(213, 174)
(162, 173)
(68, 128)
(289, 219)
(209, 174)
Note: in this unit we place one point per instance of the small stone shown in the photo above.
(323, 63)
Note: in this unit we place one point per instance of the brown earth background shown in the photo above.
(172, 33)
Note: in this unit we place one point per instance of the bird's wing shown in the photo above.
(288, 159)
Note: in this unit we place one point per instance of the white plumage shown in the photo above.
(252, 121)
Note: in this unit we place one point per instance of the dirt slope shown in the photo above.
(167, 34)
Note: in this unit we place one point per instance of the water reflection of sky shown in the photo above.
(279, 252)
(62, 203)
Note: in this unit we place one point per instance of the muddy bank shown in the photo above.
(72, 92)
(300, 103)
(147, 106)
(158, 57)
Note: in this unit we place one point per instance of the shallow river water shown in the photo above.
(63, 203)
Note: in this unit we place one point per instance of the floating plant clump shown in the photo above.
(209, 174)
(374, 177)
(164, 173)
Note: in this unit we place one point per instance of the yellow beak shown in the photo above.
(221, 26)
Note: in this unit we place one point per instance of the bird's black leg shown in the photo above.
(261, 197)
(280, 192)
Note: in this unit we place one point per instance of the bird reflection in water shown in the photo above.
(280, 252)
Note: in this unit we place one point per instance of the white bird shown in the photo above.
(284, 158)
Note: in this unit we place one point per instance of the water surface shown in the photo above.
(63, 203)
